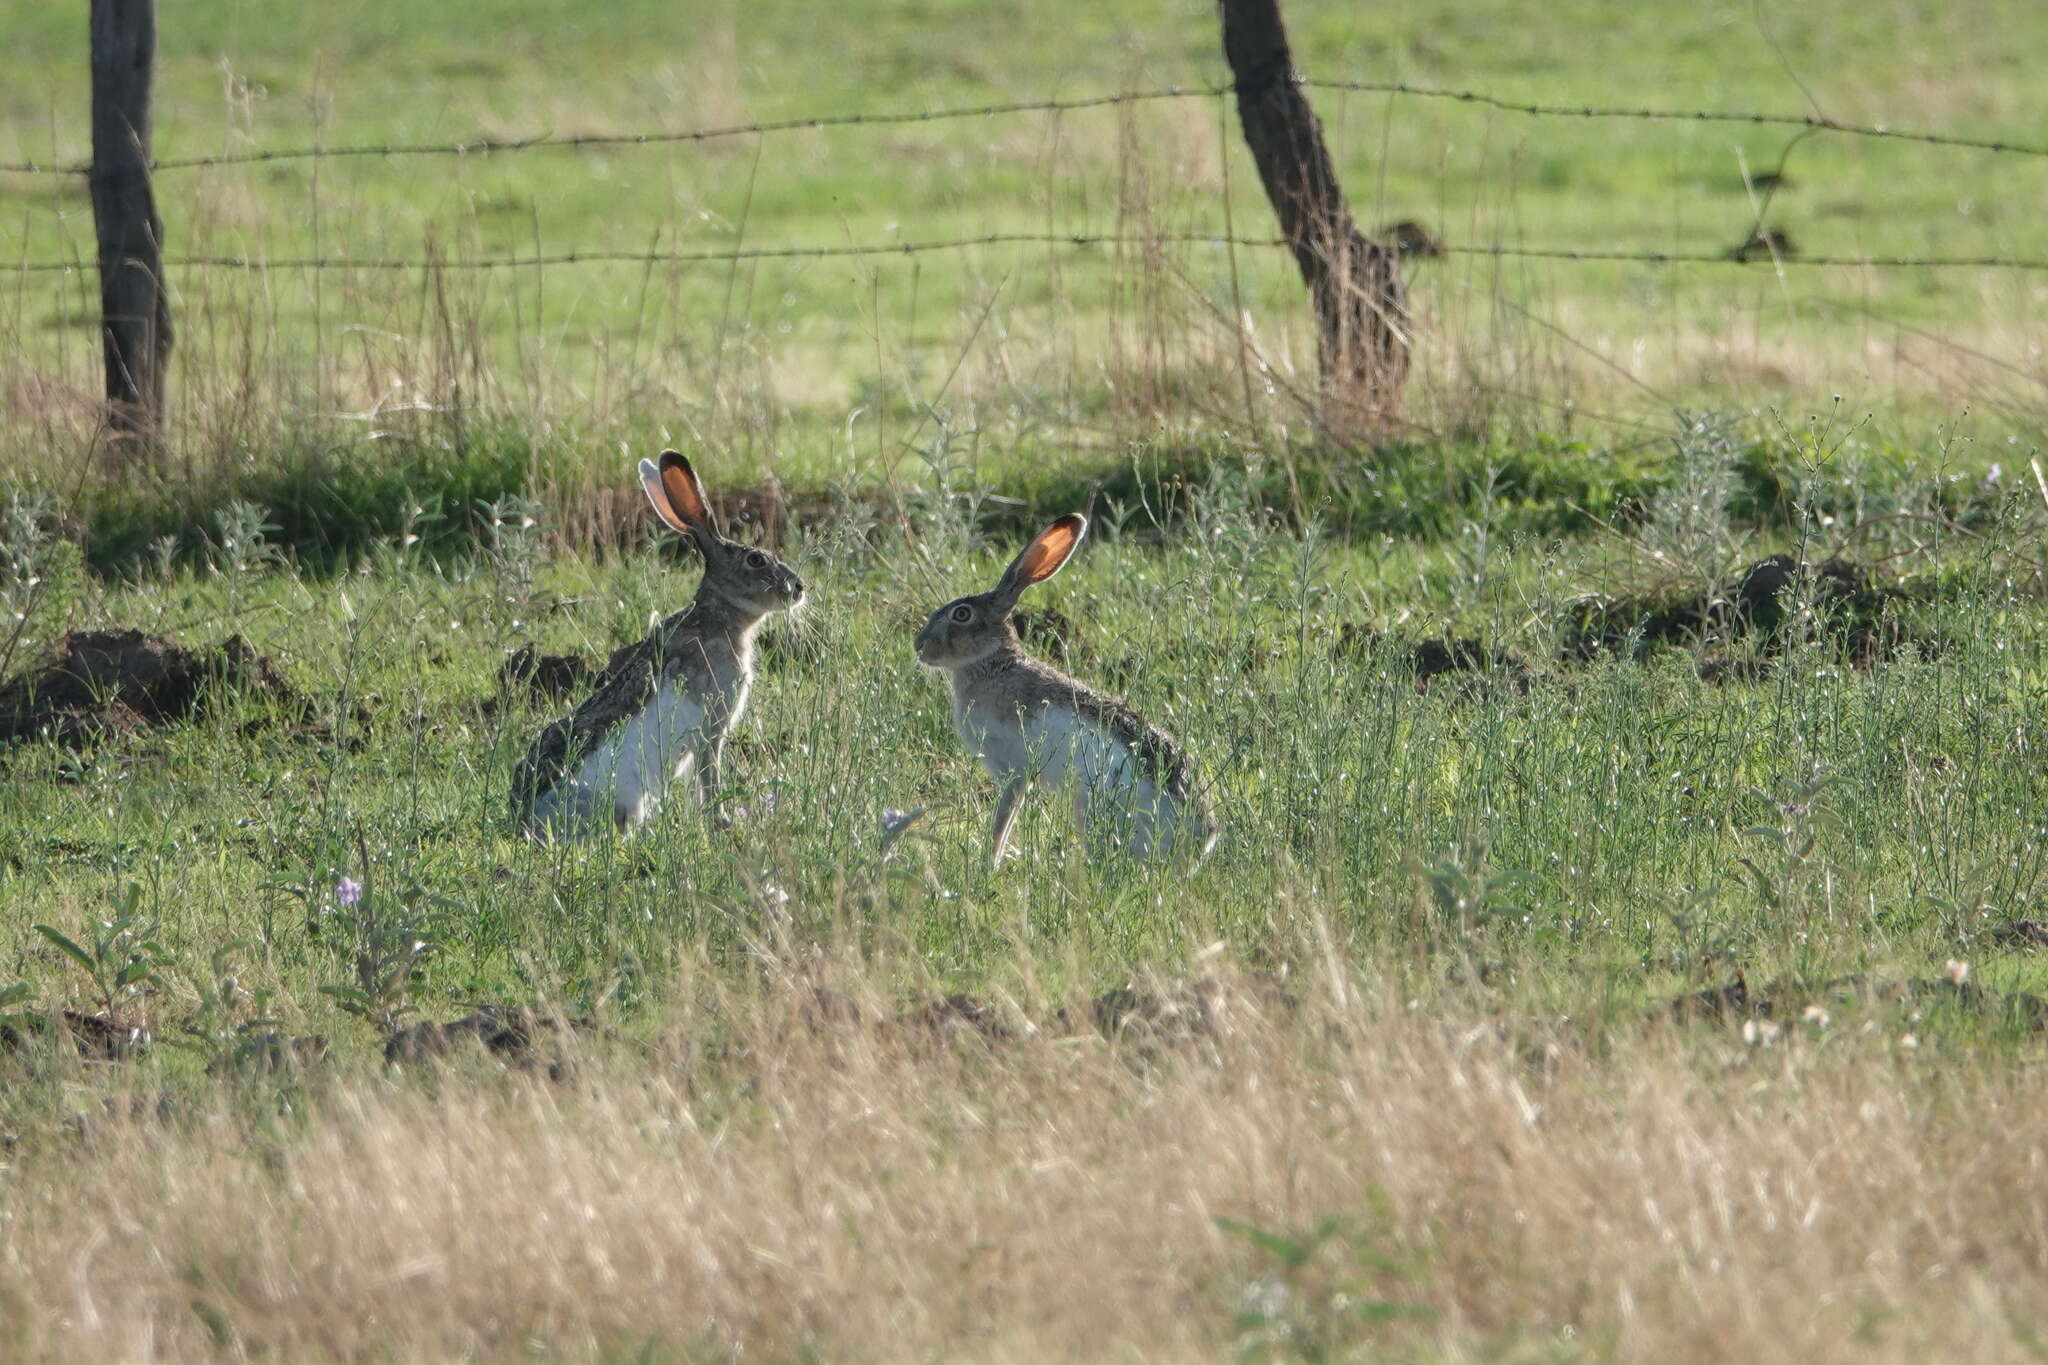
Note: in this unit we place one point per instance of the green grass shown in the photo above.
(821, 372)
(1615, 832)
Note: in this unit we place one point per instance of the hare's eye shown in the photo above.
(756, 560)
(963, 613)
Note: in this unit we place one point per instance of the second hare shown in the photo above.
(1028, 722)
(663, 707)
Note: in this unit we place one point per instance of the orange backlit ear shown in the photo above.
(1048, 554)
(1045, 556)
(685, 492)
(657, 497)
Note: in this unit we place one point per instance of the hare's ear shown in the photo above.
(677, 496)
(1043, 557)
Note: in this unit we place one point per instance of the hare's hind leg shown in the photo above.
(710, 762)
(1095, 817)
(1006, 815)
(1140, 821)
(564, 811)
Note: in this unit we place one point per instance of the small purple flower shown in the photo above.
(347, 891)
(771, 800)
(894, 820)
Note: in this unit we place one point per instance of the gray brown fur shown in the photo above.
(1030, 683)
(697, 663)
(1026, 720)
(682, 646)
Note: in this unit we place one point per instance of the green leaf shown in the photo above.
(70, 949)
(13, 995)
(1765, 891)
(350, 999)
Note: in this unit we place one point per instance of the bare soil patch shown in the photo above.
(94, 1036)
(545, 677)
(98, 683)
(1791, 1001)
(1852, 611)
(522, 1038)
(1463, 658)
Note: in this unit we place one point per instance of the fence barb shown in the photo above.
(1587, 255)
(490, 146)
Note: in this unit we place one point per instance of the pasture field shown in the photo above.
(1624, 944)
(819, 371)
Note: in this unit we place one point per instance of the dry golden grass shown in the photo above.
(755, 1186)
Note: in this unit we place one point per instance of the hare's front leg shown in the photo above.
(1006, 815)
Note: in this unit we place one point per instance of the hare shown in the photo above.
(1029, 722)
(663, 707)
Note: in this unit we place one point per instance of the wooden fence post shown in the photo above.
(135, 314)
(1355, 284)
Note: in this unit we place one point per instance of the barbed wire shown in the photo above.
(487, 146)
(1755, 256)
(1815, 122)
(1751, 257)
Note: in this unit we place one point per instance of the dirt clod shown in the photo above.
(1438, 657)
(2029, 935)
(1850, 613)
(548, 677)
(522, 1038)
(96, 1037)
(956, 1016)
(1785, 1000)
(1171, 1015)
(98, 683)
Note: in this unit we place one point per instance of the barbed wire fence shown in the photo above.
(1757, 246)
(887, 118)
(549, 142)
(472, 148)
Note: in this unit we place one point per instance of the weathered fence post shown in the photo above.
(135, 314)
(1355, 284)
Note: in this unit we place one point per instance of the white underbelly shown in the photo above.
(1113, 797)
(625, 775)
(1064, 747)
